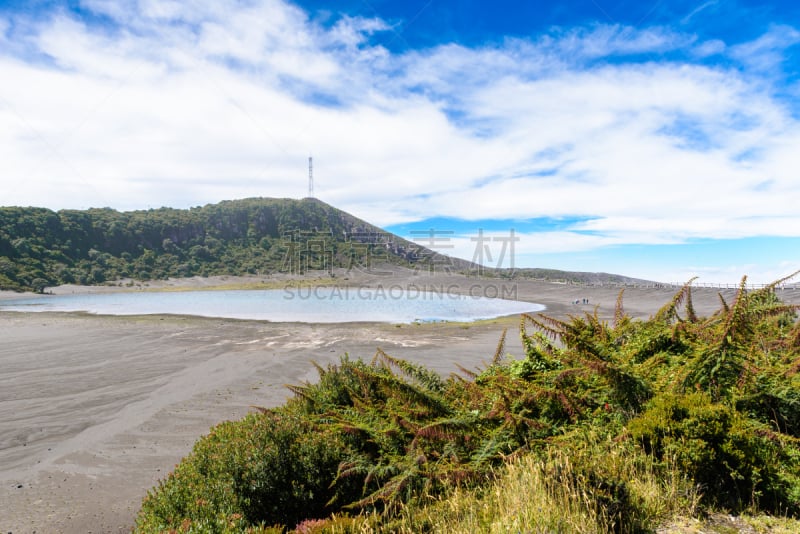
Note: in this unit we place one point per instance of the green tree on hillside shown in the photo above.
(234, 237)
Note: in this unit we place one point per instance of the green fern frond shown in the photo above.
(619, 310)
(669, 312)
(446, 428)
(498, 444)
(320, 370)
(770, 288)
(691, 315)
(424, 377)
(424, 398)
(389, 493)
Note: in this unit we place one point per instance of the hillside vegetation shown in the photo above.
(41, 248)
(617, 426)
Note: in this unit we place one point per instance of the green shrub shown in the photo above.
(285, 470)
(774, 399)
(270, 468)
(735, 461)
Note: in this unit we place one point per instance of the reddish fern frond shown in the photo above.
(568, 406)
(349, 424)
(563, 375)
(458, 378)
(261, 409)
(763, 312)
(396, 387)
(300, 391)
(501, 345)
(598, 366)
(470, 374)
(446, 429)
(405, 424)
(724, 304)
(793, 338)
(432, 432)
(365, 380)
(549, 326)
(793, 368)
(380, 358)
(527, 342)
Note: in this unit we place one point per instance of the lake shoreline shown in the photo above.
(318, 304)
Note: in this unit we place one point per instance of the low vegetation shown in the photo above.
(601, 426)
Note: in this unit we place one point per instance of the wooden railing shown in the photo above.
(667, 285)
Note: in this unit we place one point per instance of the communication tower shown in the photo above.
(310, 177)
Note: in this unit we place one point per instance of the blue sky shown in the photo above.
(653, 139)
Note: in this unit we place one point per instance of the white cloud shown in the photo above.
(709, 48)
(182, 105)
(497, 244)
(604, 40)
(352, 32)
(768, 51)
(697, 10)
(162, 9)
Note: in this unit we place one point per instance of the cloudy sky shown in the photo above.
(651, 138)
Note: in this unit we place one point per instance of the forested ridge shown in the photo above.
(41, 248)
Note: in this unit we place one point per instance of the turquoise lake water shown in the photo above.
(307, 305)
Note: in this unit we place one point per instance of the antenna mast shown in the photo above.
(310, 178)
